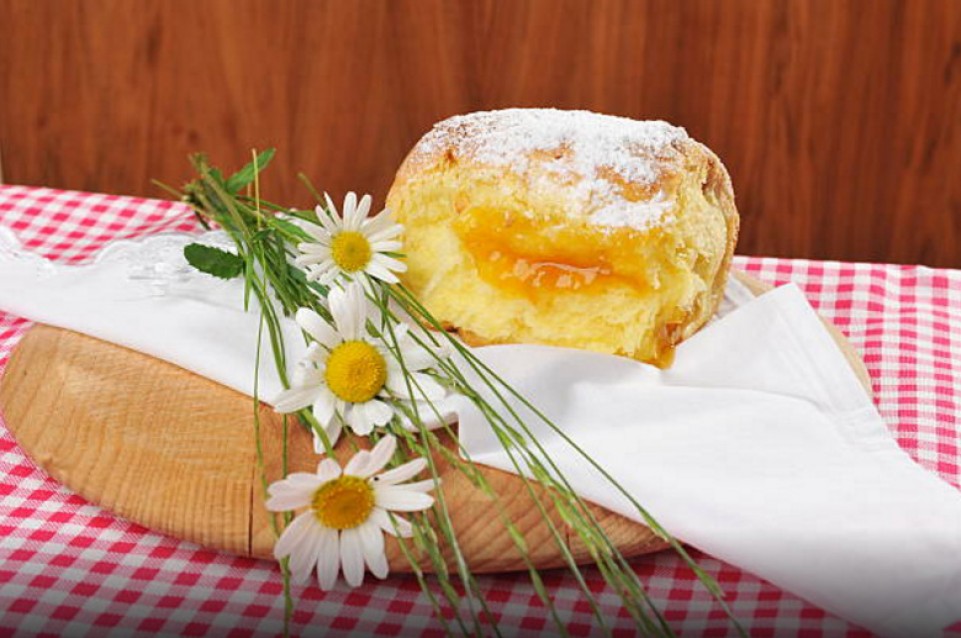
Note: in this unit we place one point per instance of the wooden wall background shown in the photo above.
(840, 120)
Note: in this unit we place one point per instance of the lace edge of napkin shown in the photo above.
(156, 259)
(12, 250)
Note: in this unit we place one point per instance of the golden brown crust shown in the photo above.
(449, 142)
(717, 186)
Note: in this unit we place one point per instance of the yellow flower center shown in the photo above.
(350, 250)
(356, 371)
(343, 503)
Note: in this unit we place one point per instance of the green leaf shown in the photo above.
(260, 236)
(292, 229)
(246, 175)
(213, 261)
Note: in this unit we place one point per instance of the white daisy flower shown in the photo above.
(350, 377)
(347, 514)
(352, 245)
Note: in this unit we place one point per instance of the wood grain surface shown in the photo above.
(840, 120)
(176, 452)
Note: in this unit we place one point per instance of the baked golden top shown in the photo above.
(566, 227)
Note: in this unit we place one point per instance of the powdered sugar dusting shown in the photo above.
(596, 154)
(638, 215)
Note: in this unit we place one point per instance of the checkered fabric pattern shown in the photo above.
(68, 567)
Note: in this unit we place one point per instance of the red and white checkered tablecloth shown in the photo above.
(69, 568)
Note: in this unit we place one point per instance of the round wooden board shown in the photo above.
(176, 452)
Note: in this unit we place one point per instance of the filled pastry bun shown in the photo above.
(567, 228)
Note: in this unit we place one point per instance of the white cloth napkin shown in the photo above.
(144, 295)
(758, 446)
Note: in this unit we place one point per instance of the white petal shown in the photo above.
(401, 500)
(349, 210)
(314, 230)
(401, 473)
(417, 357)
(401, 334)
(372, 543)
(323, 273)
(331, 209)
(358, 421)
(315, 353)
(381, 225)
(328, 218)
(331, 276)
(300, 569)
(380, 455)
(352, 557)
(306, 375)
(295, 399)
(431, 417)
(305, 261)
(311, 254)
(350, 203)
(386, 246)
(377, 412)
(324, 406)
(328, 558)
(303, 557)
(356, 213)
(397, 383)
(398, 527)
(330, 228)
(348, 308)
(380, 272)
(328, 470)
(427, 387)
(314, 274)
(361, 212)
(302, 479)
(314, 325)
(389, 232)
(369, 285)
(409, 425)
(289, 495)
(419, 486)
(428, 420)
(357, 465)
(352, 278)
(327, 267)
(318, 444)
(389, 263)
(294, 536)
(423, 387)
(319, 248)
(333, 430)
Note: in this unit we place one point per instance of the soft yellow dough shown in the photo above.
(566, 228)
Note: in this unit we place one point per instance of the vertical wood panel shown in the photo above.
(840, 120)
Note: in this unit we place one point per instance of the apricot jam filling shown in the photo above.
(537, 260)
(516, 254)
